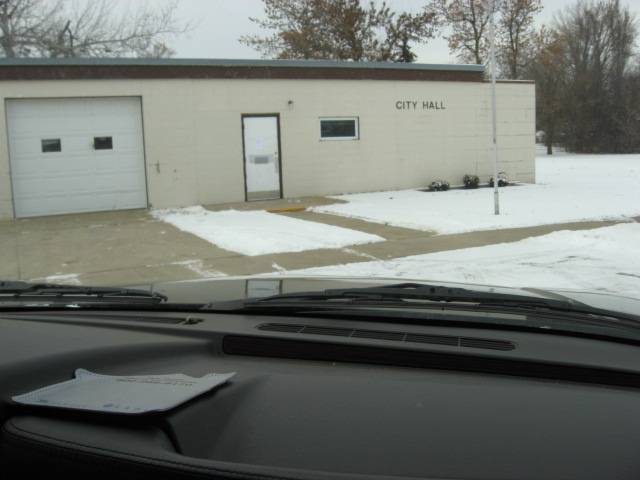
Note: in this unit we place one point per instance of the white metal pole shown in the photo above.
(496, 198)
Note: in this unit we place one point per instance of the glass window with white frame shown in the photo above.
(339, 128)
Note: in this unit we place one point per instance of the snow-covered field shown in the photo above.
(569, 188)
(603, 260)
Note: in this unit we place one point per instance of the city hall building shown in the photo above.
(87, 135)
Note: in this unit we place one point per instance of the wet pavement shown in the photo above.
(130, 247)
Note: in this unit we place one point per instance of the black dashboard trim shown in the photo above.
(332, 352)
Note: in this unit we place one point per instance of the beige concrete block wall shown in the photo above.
(193, 133)
(6, 194)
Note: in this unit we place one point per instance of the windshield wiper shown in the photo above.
(418, 295)
(19, 290)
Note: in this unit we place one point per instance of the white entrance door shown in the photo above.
(261, 157)
(71, 155)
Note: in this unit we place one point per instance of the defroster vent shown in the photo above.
(454, 341)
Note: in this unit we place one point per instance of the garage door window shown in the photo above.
(344, 128)
(102, 143)
(51, 145)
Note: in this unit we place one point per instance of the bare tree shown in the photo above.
(88, 29)
(338, 30)
(632, 124)
(465, 26)
(549, 75)
(598, 40)
(467, 23)
(22, 23)
(159, 50)
(518, 40)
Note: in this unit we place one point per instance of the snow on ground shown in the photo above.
(67, 278)
(604, 260)
(569, 188)
(259, 232)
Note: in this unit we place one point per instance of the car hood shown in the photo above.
(234, 288)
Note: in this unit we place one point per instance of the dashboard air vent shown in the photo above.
(469, 342)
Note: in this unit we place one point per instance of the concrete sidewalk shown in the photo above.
(132, 248)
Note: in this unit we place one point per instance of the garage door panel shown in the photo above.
(74, 109)
(25, 125)
(127, 161)
(103, 122)
(108, 200)
(63, 185)
(74, 144)
(79, 178)
(32, 183)
(128, 199)
(128, 142)
(113, 108)
(131, 182)
(106, 162)
(25, 168)
(126, 122)
(74, 166)
(58, 204)
(104, 183)
(28, 146)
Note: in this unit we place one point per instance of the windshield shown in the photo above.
(227, 141)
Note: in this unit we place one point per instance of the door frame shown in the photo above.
(244, 153)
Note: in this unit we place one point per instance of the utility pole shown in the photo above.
(496, 198)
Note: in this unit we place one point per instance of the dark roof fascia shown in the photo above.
(526, 82)
(106, 68)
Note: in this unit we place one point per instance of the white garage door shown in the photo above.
(76, 155)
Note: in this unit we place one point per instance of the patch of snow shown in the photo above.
(67, 279)
(570, 188)
(360, 254)
(260, 232)
(603, 260)
(197, 266)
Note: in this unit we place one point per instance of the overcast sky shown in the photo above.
(222, 22)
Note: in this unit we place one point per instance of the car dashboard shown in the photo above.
(316, 398)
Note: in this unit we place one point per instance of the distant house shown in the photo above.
(101, 134)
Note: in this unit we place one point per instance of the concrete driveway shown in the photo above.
(132, 248)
